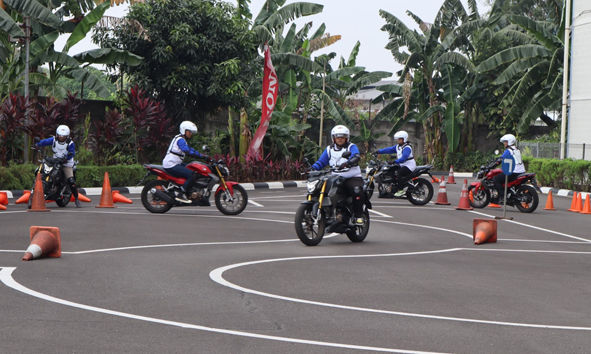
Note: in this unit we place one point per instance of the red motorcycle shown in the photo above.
(158, 196)
(521, 193)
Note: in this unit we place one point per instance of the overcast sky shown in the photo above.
(354, 20)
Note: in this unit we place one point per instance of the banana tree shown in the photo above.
(535, 71)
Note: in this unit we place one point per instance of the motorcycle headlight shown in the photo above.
(47, 169)
(227, 171)
(312, 185)
(367, 169)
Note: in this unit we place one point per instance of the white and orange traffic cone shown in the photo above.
(484, 230)
(442, 193)
(464, 199)
(451, 179)
(45, 241)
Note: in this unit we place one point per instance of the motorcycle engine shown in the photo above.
(197, 193)
(339, 217)
(388, 188)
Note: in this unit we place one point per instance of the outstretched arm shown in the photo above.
(182, 144)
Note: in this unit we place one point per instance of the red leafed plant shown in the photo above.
(13, 111)
(107, 137)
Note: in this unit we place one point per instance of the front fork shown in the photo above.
(318, 206)
(226, 191)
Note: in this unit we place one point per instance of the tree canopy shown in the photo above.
(198, 54)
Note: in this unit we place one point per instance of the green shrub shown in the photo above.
(562, 174)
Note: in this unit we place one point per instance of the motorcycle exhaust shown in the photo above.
(162, 196)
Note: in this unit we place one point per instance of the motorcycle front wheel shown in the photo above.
(527, 199)
(65, 199)
(235, 206)
(152, 203)
(480, 198)
(360, 232)
(421, 193)
(307, 232)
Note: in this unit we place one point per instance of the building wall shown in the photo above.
(579, 119)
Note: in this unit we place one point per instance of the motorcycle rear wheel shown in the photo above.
(360, 232)
(480, 199)
(307, 232)
(422, 193)
(232, 208)
(527, 199)
(152, 203)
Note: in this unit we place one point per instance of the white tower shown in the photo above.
(579, 120)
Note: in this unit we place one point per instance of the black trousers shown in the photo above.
(354, 188)
(402, 172)
(499, 180)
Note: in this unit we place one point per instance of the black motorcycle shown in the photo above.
(419, 191)
(55, 186)
(329, 209)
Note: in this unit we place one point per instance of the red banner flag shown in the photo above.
(270, 89)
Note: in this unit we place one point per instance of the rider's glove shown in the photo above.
(375, 154)
(64, 159)
(208, 158)
(344, 165)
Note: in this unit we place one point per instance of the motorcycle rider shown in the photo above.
(404, 156)
(332, 156)
(173, 161)
(63, 147)
(510, 143)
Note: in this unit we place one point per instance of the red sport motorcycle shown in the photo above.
(158, 196)
(521, 193)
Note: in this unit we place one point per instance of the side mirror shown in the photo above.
(206, 148)
(496, 152)
(37, 139)
(306, 159)
(347, 154)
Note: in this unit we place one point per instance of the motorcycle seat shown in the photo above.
(157, 167)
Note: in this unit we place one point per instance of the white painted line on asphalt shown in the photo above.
(280, 196)
(544, 241)
(217, 276)
(380, 214)
(534, 227)
(425, 227)
(8, 280)
(255, 203)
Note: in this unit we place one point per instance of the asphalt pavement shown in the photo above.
(196, 281)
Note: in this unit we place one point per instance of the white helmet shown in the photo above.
(187, 125)
(338, 131)
(509, 138)
(62, 131)
(401, 135)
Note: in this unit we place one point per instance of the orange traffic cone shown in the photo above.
(81, 197)
(435, 179)
(3, 198)
(464, 199)
(38, 197)
(579, 205)
(117, 197)
(2, 207)
(573, 204)
(24, 198)
(45, 241)
(442, 194)
(550, 202)
(106, 195)
(451, 179)
(587, 208)
(494, 205)
(484, 230)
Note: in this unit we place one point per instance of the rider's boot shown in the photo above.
(182, 197)
(77, 202)
(74, 188)
(401, 192)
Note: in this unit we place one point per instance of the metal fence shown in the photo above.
(552, 150)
